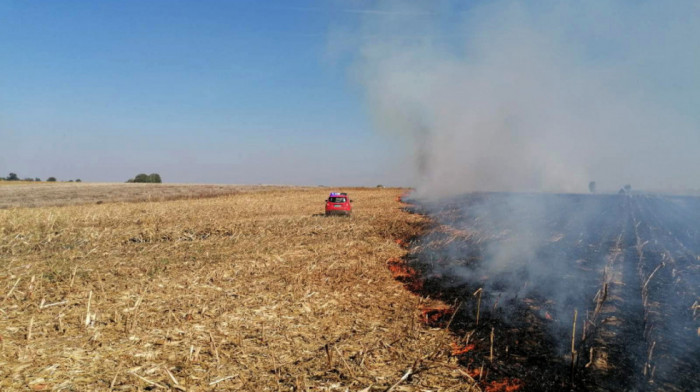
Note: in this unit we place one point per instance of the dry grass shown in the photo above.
(251, 291)
(3, 182)
(42, 194)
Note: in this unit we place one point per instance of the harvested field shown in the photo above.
(33, 194)
(249, 291)
(568, 292)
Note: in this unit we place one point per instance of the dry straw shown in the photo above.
(250, 291)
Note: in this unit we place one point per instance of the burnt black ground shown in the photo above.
(628, 264)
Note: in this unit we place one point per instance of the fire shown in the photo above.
(403, 273)
(457, 350)
(435, 316)
(505, 385)
(401, 243)
(402, 196)
(472, 374)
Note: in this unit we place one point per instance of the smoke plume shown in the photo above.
(547, 96)
(537, 96)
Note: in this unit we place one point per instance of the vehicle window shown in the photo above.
(336, 199)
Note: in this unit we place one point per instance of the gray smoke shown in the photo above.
(545, 96)
(537, 96)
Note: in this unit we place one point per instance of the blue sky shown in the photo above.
(476, 95)
(214, 92)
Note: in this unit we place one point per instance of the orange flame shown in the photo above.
(402, 196)
(457, 350)
(505, 385)
(405, 274)
(401, 272)
(435, 316)
(401, 243)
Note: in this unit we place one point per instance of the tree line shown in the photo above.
(149, 178)
(15, 177)
(142, 177)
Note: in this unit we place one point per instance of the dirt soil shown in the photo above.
(251, 291)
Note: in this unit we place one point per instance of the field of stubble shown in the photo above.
(250, 291)
(43, 194)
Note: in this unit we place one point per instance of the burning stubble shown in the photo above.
(557, 275)
(546, 97)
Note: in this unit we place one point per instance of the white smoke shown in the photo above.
(537, 96)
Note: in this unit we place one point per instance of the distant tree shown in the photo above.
(28, 179)
(12, 177)
(70, 180)
(628, 188)
(592, 186)
(51, 179)
(149, 178)
(78, 180)
(37, 179)
(380, 186)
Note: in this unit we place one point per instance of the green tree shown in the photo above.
(13, 177)
(154, 178)
(37, 179)
(149, 178)
(51, 179)
(78, 180)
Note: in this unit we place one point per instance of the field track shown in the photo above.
(249, 291)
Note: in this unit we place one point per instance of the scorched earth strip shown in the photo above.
(582, 292)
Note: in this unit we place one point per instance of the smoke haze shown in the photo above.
(529, 97)
(537, 96)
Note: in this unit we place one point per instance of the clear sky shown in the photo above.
(212, 92)
(465, 95)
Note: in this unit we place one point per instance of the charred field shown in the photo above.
(554, 292)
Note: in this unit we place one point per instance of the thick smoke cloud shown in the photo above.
(537, 96)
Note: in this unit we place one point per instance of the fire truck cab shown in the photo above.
(338, 203)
